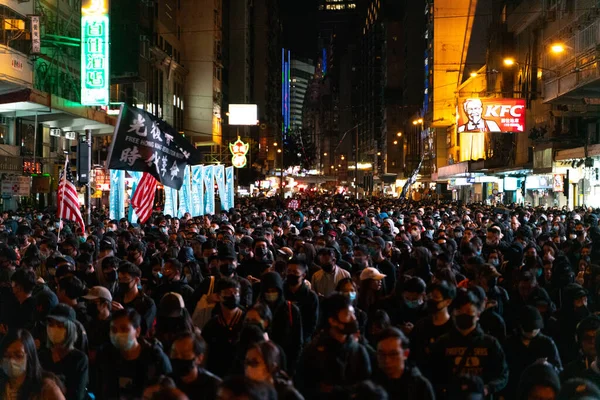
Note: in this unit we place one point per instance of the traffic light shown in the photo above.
(84, 155)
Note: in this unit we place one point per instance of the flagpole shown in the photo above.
(62, 198)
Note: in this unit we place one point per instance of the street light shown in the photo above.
(557, 48)
(343, 158)
(279, 150)
(275, 144)
(509, 62)
(325, 154)
(378, 153)
(395, 142)
(399, 134)
(473, 74)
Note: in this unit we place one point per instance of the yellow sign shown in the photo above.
(94, 7)
(239, 150)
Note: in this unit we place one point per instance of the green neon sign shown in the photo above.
(95, 78)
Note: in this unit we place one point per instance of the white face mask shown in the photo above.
(14, 368)
(56, 335)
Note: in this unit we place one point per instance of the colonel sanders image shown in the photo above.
(473, 109)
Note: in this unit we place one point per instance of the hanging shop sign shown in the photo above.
(239, 150)
(95, 79)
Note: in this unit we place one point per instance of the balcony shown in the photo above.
(574, 75)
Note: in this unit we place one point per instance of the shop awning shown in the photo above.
(56, 112)
(578, 152)
(454, 170)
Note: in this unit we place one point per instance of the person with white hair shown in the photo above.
(474, 110)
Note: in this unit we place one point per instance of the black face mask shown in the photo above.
(227, 269)
(432, 305)
(293, 280)
(230, 302)
(582, 312)
(464, 321)
(349, 328)
(111, 276)
(260, 252)
(327, 267)
(124, 287)
(182, 367)
(93, 311)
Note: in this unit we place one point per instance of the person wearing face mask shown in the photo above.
(286, 327)
(86, 271)
(527, 345)
(129, 295)
(22, 376)
(487, 278)
(382, 264)
(99, 308)
(61, 357)
(408, 306)
(129, 363)
(21, 313)
(325, 280)
(173, 282)
(429, 329)
(222, 331)
(586, 340)
(467, 350)
(334, 358)
(299, 293)
(263, 364)
(573, 310)
(262, 260)
(360, 260)
(187, 359)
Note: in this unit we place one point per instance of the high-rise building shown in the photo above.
(201, 34)
(302, 72)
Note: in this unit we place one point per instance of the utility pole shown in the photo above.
(356, 162)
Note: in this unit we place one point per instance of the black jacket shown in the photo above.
(308, 303)
(485, 358)
(327, 363)
(286, 327)
(411, 386)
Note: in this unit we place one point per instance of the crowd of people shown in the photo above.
(337, 299)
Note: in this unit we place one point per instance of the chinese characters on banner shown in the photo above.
(219, 171)
(170, 201)
(197, 207)
(142, 142)
(185, 199)
(117, 195)
(36, 41)
(229, 188)
(209, 189)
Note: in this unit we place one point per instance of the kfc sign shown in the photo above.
(491, 115)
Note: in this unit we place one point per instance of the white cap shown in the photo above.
(371, 273)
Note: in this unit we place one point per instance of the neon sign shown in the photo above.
(239, 150)
(95, 78)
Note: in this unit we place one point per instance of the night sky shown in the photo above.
(300, 26)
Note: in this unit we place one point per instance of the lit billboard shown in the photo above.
(479, 120)
(491, 115)
(95, 78)
(243, 114)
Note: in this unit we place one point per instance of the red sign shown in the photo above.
(491, 115)
(294, 204)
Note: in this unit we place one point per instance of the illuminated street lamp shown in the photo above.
(473, 74)
(343, 158)
(395, 142)
(279, 150)
(399, 134)
(325, 154)
(509, 62)
(275, 144)
(557, 48)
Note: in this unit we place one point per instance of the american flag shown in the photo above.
(68, 200)
(143, 198)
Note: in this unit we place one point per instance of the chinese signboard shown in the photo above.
(16, 185)
(95, 79)
(36, 42)
(239, 150)
(491, 115)
(144, 143)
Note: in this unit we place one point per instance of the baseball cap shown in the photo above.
(62, 313)
(371, 273)
(332, 233)
(286, 251)
(107, 243)
(98, 292)
(378, 241)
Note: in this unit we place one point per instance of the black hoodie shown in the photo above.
(286, 327)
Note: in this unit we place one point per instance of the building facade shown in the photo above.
(302, 72)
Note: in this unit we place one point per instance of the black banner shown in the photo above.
(144, 143)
